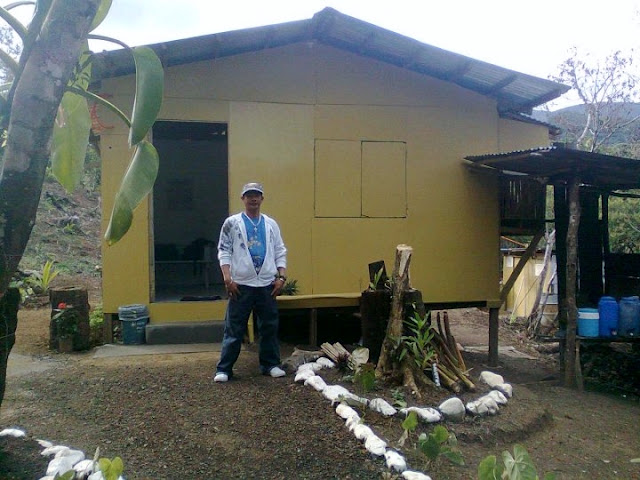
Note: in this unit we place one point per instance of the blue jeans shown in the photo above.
(235, 327)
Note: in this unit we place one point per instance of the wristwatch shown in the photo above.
(281, 277)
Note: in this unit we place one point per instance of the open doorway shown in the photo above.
(190, 203)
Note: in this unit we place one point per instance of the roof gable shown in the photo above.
(513, 91)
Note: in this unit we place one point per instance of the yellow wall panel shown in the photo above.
(384, 181)
(337, 178)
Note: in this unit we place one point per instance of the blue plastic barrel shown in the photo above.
(588, 320)
(134, 320)
(629, 317)
(609, 312)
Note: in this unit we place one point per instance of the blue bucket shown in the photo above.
(588, 322)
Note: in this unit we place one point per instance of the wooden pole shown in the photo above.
(572, 269)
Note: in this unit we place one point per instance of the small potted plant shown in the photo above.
(66, 325)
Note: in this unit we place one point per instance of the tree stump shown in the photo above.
(78, 298)
(9, 305)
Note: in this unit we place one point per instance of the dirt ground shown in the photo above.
(167, 419)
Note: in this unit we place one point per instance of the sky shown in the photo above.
(531, 37)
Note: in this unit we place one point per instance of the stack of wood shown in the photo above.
(338, 354)
(448, 360)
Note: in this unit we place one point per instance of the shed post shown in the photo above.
(572, 268)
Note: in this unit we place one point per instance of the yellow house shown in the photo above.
(358, 135)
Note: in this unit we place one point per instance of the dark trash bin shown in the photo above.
(134, 320)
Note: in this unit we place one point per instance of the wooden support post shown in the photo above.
(494, 323)
(528, 253)
(313, 327)
(572, 270)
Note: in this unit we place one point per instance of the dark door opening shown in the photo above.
(190, 202)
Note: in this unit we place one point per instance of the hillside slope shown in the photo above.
(67, 231)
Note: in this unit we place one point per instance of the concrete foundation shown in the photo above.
(192, 332)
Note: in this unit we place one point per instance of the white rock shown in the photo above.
(346, 412)
(59, 465)
(309, 366)
(324, 362)
(411, 475)
(47, 477)
(491, 379)
(426, 414)
(44, 443)
(352, 422)
(490, 403)
(375, 445)
(498, 396)
(12, 432)
(96, 476)
(380, 405)
(74, 456)
(363, 432)
(355, 401)
(53, 450)
(453, 409)
(302, 375)
(316, 382)
(84, 467)
(335, 393)
(506, 389)
(395, 461)
(477, 408)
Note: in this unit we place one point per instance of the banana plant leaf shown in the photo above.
(69, 140)
(148, 97)
(136, 184)
(103, 9)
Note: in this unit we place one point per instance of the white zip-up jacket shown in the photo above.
(233, 251)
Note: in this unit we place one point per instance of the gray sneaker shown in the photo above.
(277, 372)
(221, 377)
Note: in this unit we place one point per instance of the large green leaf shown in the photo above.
(136, 184)
(489, 469)
(519, 466)
(103, 9)
(69, 141)
(82, 73)
(149, 88)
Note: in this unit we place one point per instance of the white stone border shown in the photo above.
(452, 409)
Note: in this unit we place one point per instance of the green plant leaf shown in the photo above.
(411, 422)
(111, 469)
(519, 466)
(453, 456)
(69, 140)
(136, 184)
(148, 98)
(489, 469)
(440, 434)
(103, 9)
(429, 446)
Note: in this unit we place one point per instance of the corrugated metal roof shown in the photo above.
(560, 164)
(514, 91)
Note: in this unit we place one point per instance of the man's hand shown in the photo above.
(278, 283)
(232, 289)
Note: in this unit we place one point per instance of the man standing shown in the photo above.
(253, 260)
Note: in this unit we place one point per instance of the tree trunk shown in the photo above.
(46, 69)
(400, 283)
(78, 298)
(8, 323)
(37, 95)
(572, 269)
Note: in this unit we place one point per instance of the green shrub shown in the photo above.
(516, 467)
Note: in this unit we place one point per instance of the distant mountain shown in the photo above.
(572, 119)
